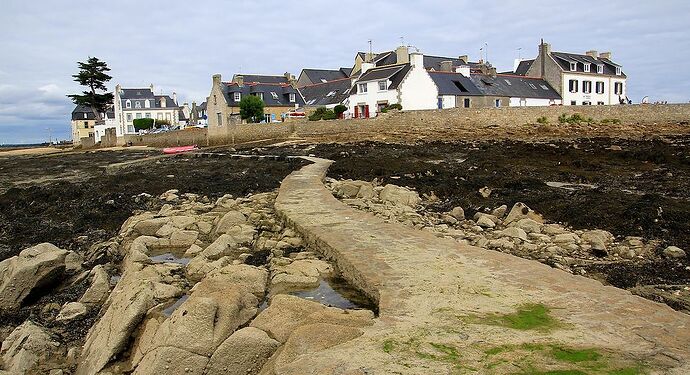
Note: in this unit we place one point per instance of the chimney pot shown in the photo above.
(216, 79)
(592, 53)
(605, 55)
(464, 58)
(402, 54)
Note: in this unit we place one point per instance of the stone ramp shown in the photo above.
(443, 306)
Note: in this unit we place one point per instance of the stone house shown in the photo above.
(84, 124)
(279, 94)
(580, 79)
(137, 103)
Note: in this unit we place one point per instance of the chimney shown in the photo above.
(369, 57)
(403, 55)
(446, 66)
(544, 50)
(175, 97)
(239, 80)
(216, 79)
(464, 58)
(605, 55)
(417, 60)
(366, 66)
(291, 79)
(592, 53)
(151, 86)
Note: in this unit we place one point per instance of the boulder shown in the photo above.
(100, 287)
(151, 226)
(71, 310)
(528, 225)
(500, 211)
(244, 352)
(521, 211)
(183, 238)
(353, 189)
(566, 238)
(513, 232)
(485, 221)
(299, 274)
(171, 361)
(225, 245)
(458, 213)
(674, 252)
(400, 196)
(39, 266)
(27, 348)
(229, 220)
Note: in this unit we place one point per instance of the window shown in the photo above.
(85, 115)
(573, 103)
(460, 86)
(159, 116)
(544, 87)
(237, 96)
(587, 87)
(86, 124)
(274, 95)
(138, 115)
(323, 80)
(573, 84)
(220, 119)
(508, 82)
(466, 103)
(586, 103)
(260, 95)
(618, 88)
(137, 104)
(600, 69)
(383, 85)
(129, 117)
(573, 66)
(498, 103)
(267, 117)
(215, 101)
(600, 87)
(332, 93)
(618, 71)
(362, 88)
(600, 103)
(293, 97)
(128, 104)
(147, 115)
(147, 103)
(167, 116)
(587, 68)
(532, 86)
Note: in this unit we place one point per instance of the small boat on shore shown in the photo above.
(179, 149)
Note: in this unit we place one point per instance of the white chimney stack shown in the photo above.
(464, 70)
(417, 59)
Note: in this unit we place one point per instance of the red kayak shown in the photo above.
(180, 149)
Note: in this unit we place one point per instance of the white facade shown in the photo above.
(416, 91)
(532, 102)
(447, 101)
(126, 111)
(581, 89)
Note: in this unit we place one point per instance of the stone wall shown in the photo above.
(456, 123)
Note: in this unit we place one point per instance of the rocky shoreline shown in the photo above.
(197, 287)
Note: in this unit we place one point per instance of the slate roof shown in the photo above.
(564, 59)
(181, 116)
(454, 84)
(514, 86)
(523, 67)
(321, 75)
(394, 73)
(79, 110)
(282, 92)
(323, 94)
(136, 93)
(259, 78)
(434, 62)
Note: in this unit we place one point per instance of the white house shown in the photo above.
(407, 84)
(589, 79)
(137, 103)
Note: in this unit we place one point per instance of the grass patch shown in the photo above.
(575, 355)
(531, 316)
(388, 346)
(627, 371)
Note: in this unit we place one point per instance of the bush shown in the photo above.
(613, 121)
(574, 119)
(252, 108)
(322, 113)
(162, 122)
(542, 120)
(391, 107)
(143, 123)
(339, 110)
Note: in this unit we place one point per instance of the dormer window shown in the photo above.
(323, 80)
(260, 95)
(85, 115)
(573, 66)
(237, 97)
(332, 93)
(618, 71)
(532, 86)
(293, 97)
(128, 104)
(147, 104)
(137, 104)
(587, 68)
(274, 95)
(600, 69)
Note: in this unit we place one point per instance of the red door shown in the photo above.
(366, 111)
(356, 111)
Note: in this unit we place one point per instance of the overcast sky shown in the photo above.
(178, 45)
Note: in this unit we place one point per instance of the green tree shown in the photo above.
(92, 75)
(252, 108)
(143, 123)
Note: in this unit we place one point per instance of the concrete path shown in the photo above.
(450, 308)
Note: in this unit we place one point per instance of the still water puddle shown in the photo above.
(570, 186)
(333, 292)
(168, 255)
(170, 309)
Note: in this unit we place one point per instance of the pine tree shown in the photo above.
(92, 75)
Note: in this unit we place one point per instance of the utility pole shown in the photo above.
(50, 136)
(519, 51)
(371, 50)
